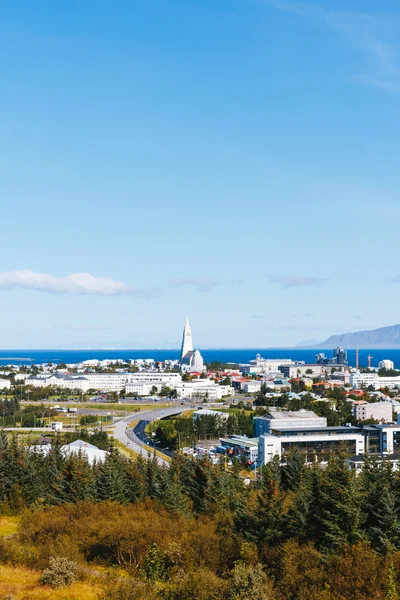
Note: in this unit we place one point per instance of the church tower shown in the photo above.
(187, 342)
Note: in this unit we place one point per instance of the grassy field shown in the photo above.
(128, 452)
(8, 525)
(21, 583)
(232, 411)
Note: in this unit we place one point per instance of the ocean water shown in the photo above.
(233, 355)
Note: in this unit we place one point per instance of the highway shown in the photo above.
(135, 439)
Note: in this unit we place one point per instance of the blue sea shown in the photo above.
(228, 355)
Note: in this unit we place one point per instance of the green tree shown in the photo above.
(111, 477)
(250, 582)
(336, 506)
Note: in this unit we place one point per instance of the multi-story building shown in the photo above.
(380, 411)
(285, 419)
(299, 370)
(203, 388)
(143, 383)
(360, 380)
(5, 383)
(386, 364)
(73, 382)
(251, 386)
(339, 358)
(266, 365)
(110, 382)
(315, 443)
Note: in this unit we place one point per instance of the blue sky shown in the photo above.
(235, 161)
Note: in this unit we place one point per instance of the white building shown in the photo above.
(287, 419)
(73, 382)
(386, 364)
(266, 365)
(21, 376)
(143, 383)
(211, 413)
(380, 411)
(315, 445)
(360, 380)
(299, 370)
(251, 387)
(191, 360)
(5, 384)
(203, 388)
(91, 452)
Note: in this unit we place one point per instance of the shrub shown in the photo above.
(61, 572)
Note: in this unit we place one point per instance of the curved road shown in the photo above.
(135, 439)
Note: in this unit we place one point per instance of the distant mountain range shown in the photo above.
(384, 337)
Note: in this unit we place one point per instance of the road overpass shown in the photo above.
(135, 438)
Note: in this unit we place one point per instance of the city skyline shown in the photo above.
(234, 162)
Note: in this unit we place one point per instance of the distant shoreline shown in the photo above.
(16, 358)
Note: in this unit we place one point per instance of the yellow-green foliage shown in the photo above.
(21, 583)
(9, 525)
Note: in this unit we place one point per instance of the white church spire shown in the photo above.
(187, 342)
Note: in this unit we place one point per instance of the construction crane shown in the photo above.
(369, 360)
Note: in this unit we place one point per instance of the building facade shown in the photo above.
(361, 380)
(380, 411)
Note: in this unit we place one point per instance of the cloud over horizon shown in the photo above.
(296, 281)
(75, 283)
(201, 284)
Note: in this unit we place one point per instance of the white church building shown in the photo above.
(191, 360)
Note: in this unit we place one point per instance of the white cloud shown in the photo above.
(76, 283)
(295, 281)
(86, 328)
(374, 37)
(201, 284)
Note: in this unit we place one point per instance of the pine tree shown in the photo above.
(54, 463)
(5, 482)
(269, 518)
(175, 498)
(336, 508)
(292, 471)
(297, 518)
(380, 518)
(136, 485)
(78, 478)
(111, 477)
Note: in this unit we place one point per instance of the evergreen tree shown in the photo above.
(337, 507)
(78, 478)
(111, 477)
(136, 486)
(175, 498)
(297, 518)
(292, 470)
(54, 464)
(269, 518)
(379, 514)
